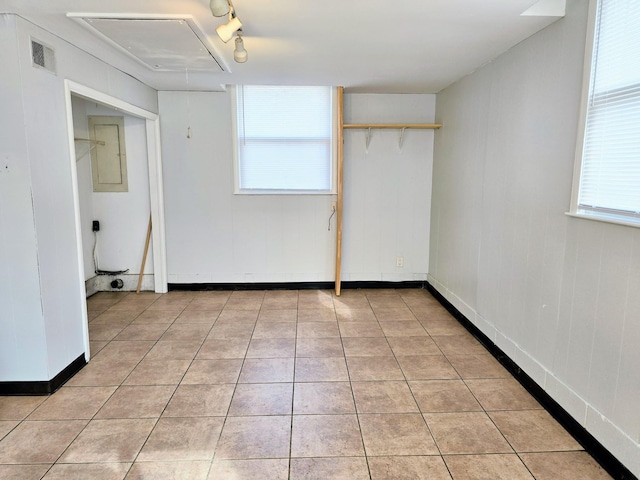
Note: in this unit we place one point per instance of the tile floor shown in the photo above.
(379, 384)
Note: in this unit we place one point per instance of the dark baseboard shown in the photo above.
(292, 286)
(604, 457)
(43, 387)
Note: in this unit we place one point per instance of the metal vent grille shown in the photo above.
(43, 56)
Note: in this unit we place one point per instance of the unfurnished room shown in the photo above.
(297, 240)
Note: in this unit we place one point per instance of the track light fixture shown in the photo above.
(226, 31)
(240, 55)
(219, 8)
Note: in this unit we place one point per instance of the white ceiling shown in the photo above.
(375, 46)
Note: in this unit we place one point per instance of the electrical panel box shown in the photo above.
(108, 157)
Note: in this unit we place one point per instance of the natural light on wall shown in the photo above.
(609, 185)
(284, 139)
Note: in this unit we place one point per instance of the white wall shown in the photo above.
(214, 236)
(45, 324)
(557, 294)
(123, 216)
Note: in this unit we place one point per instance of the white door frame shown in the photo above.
(154, 161)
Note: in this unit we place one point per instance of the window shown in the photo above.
(284, 139)
(609, 184)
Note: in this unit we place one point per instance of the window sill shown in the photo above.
(607, 218)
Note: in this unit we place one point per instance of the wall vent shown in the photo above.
(43, 56)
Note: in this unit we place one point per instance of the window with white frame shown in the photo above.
(284, 139)
(609, 183)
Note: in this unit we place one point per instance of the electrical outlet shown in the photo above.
(95, 226)
(399, 262)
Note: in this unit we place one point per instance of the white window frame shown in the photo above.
(575, 210)
(334, 154)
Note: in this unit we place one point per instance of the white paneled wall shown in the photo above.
(41, 315)
(214, 236)
(558, 294)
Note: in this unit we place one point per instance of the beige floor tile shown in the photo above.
(401, 314)
(96, 346)
(260, 469)
(315, 299)
(223, 348)
(278, 315)
(502, 394)
(482, 467)
(366, 347)
(255, 437)
(231, 330)
(360, 329)
(352, 468)
(39, 442)
(356, 315)
(156, 317)
(563, 465)
(427, 367)
(180, 439)
(326, 436)
(478, 366)
(438, 396)
(274, 330)
(137, 401)
(386, 302)
(23, 472)
(408, 468)
(206, 302)
(18, 407)
(84, 471)
(384, 397)
(151, 331)
(403, 329)
(173, 301)
(158, 372)
(317, 315)
(280, 299)
(174, 350)
(459, 345)
(331, 369)
(319, 347)
(262, 399)
(350, 301)
(223, 370)
(196, 470)
(73, 403)
(533, 431)
(271, 347)
(396, 434)
(466, 433)
(206, 317)
(374, 368)
(6, 426)
(187, 331)
(267, 370)
(323, 398)
(104, 332)
(247, 300)
(102, 372)
(125, 350)
(318, 329)
(200, 401)
(122, 318)
(109, 441)
(413, 346)
(238, 316)
(443, 326)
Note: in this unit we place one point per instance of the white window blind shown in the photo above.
(284, 139)
(610, 172)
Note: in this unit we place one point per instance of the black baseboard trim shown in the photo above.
(604, 457)
(174, 287)
(44, 387)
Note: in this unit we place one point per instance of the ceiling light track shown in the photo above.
(220, 8)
